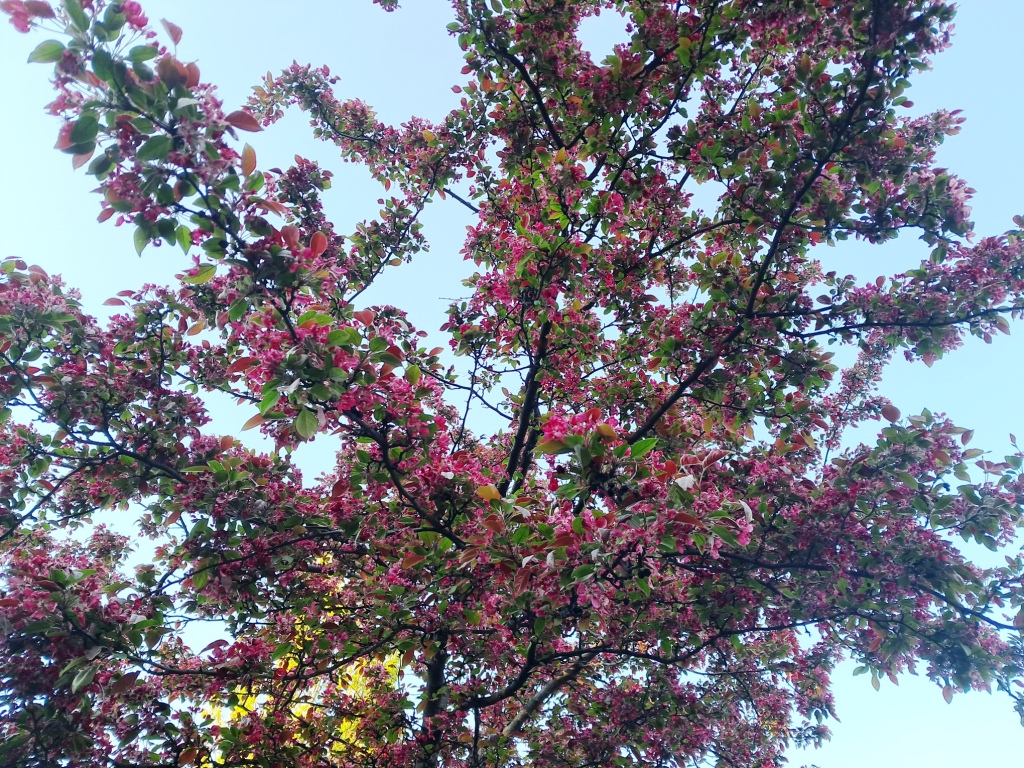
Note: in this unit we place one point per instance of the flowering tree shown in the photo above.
(665, 549)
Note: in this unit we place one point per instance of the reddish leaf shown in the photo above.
(564, 539)
(412, 560)
(243, 121)
(193, 75)
(124, 682)
(488, 493)
(171, 72)
(255, 421)
(685, 517)
(364, 316)
(493, 523)
(891, 412)
(173, 30)
(522, 580)
(248, 160)
(318, 243)
(39, 9)
(242, 364)
(113, 303)
(214, 646)
(290, 235)
(77, 161)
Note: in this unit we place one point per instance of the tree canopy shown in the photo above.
(665, 545)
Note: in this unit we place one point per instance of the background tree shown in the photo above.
(621, 575)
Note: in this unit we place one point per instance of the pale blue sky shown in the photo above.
(404, 64)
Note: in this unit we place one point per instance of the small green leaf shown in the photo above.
(305, 424)
(156, 148)
(412, 374)
(204, 274)
(46, 52)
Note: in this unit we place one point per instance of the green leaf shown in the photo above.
(100, 166)
(144, 73)
(269, 401)
(83, 678)
(113, 19)
(282, 650)
(157, 148)
(141, 240)
(141, 53)
(306, 424)
(583, 572)
(46, 52)
(184, 236)
(103, 65)
(642, 447)
(552, 446)
(85, 129)
(142, 125)
(204, 274)
(412, 374)
(77, 15)
(908, 479)
(237, 310)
